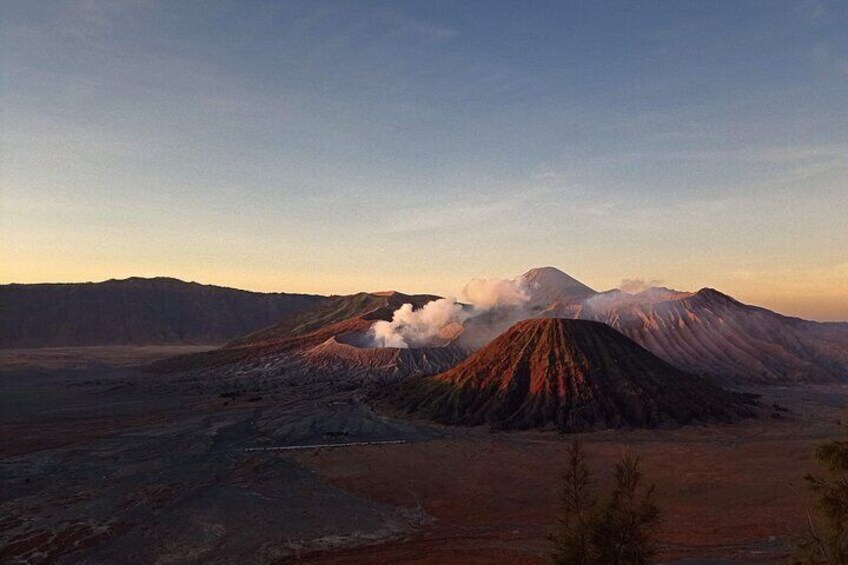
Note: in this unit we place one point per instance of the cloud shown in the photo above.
(633, 286)
(432, 324)
(486, 294)
(495, 305)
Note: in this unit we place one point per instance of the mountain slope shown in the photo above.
(710, 333)
(704, 332)
(137, 311)
(571, 375)
(334, 309)
(549, 286)
(336, 356)
(339, 315)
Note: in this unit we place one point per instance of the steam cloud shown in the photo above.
(632, 286)
(486, 294)
(637, 295)
(493, 304)
(417, 328)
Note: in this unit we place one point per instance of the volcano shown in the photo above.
(704, 332)
(712, 334)
(571, 375)
(328, 340)
(551, 287)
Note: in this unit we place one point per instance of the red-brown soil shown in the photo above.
(571, 375)
(128, 466)
(727, 491)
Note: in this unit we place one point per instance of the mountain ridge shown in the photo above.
(137, 311)
(711, 333)
(299, 333)
(706, 332)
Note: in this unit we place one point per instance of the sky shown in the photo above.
(334, 147)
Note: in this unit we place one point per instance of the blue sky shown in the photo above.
(336, 147)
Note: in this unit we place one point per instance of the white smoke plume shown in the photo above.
(485, 294)
(604, 303)
(633, 286)
(493, 304)
(430, 324)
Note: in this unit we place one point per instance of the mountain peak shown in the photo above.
(708, 293)
(389, 293)
(151, 281)
(549, 285)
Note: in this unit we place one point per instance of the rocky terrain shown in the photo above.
(371, 305)
(337, 356)
(104, 463)
(137, 311)
(269, 448)
(704, 332)
(569, 375)
(711, 333)
(328, 339)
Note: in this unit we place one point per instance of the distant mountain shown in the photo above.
(137, 311)
(706, 332)
(334, 309)
(298, 335)
(570, 375)
(551, 287)
(711, 333)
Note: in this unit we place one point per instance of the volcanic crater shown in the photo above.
(354, 351)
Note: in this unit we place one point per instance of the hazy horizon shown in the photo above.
(331, 148)
(628, 285)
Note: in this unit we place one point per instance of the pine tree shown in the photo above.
(826, 542)
(619, 530)
(628, 517)
(573, 539)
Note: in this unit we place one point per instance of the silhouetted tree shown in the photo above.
(577, 522)
(826, 542)
(625, 532)
(617, 530)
